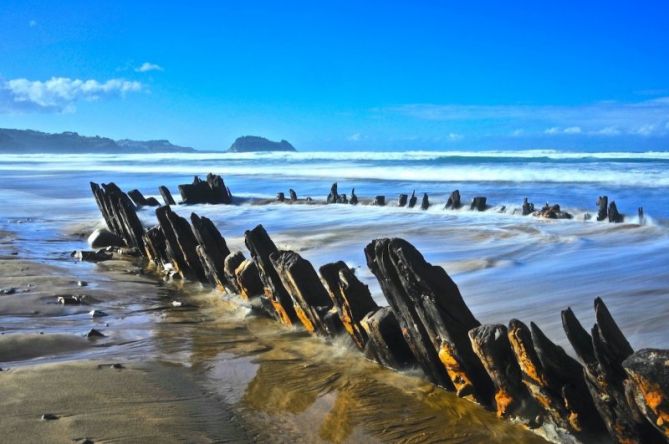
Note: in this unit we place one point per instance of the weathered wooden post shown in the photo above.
(261, 247)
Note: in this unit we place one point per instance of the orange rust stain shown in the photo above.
(654, 398)
(283, 315)
(455, 371)
(304, 319)
(526, 365)
(504, 402)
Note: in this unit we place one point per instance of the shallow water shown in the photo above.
(506, 266)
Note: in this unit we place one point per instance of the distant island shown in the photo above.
(251, 144)
(30, 141)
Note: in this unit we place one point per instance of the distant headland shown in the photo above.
(251, 144)
(30, 141)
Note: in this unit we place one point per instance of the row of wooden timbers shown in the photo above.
(213, 191)
(610, 394)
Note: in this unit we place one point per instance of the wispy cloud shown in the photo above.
(644, 118)
(32, 23)
(355, 137)
(146, 67)
(58, 94)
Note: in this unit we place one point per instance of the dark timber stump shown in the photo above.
(528, 207)
(478, 204)
(555, 380)
(248, 280)
(648, 372)
(454, 200)
(214, 249)
(433, 316)
(354, 199)
(603, 354)
(386, 344)
(232, 261)
(181, 244)
(141, 201)
(333, 197)
(211, 191)
(293, 195)
(425, 204)
(402, 201)
(614, 215)
(491, 345)
(167, 196)
(261, 247)
(603, 205)
(413, 199)
(310, 300)
(350, 297)
(380, 201)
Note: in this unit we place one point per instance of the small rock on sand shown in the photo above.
(97, 313)
(49, 417)
(91, 256)
(95, 334)
(104, 238)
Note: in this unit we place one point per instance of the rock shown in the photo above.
(211, 191)
(93, 333)
(97, 314)
(402, 201)
(478, 204)
(91, 256)
(167, 196)
(552, 212)
(602, 204)
(386, 344)
(333, 197)
(280, 197)
(380, 201)
(453, 201)
(412, 199)
(261, 247)
(250, 144)
(614, 215)
(69, 300)
(177, 304)
(433, 316)
(82, 284)
(425, 204)
(49, 417)
(8, 291)
(101, 238)
(350, 297)
(648, 372)
(528, 207)
(354, 198)
(310, 299)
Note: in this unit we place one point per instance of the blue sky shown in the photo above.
(342, 75)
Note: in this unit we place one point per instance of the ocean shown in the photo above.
(506, 265)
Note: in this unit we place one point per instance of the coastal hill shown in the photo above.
(251, 144)
(30, 141)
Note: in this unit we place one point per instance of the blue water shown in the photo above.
(506, 265)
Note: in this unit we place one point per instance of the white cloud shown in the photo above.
(58, 94)
(645, 130)
(355, 137)
(32, 23)
(608, 131)
(455, 137)
(518, 132)
(146, 67)
(646, 118)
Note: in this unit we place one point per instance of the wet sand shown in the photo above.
(207, 371)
